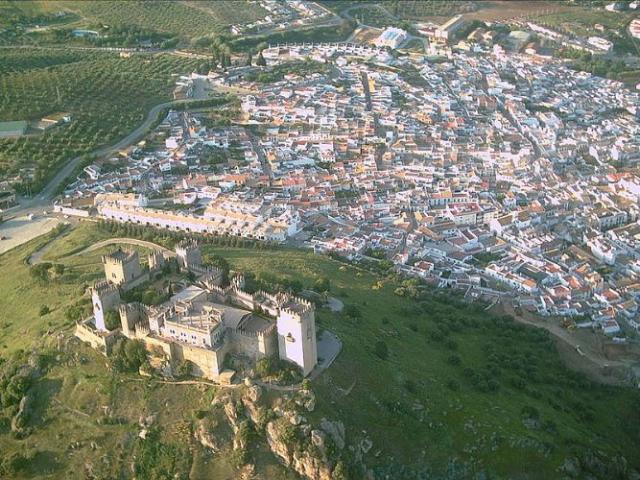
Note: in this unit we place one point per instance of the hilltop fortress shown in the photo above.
(205, 321)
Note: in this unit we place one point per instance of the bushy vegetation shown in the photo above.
(158, 459)
(128, 355)
(107, 97)
(146, 294)
(271, 368)
(587, 62)
(185, 19)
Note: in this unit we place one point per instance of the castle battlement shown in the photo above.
(120, 257)
(103, 287)
(257, 334)
(191, 326)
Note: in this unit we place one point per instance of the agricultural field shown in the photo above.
(580, 21)
(402, 9)
(107, 97)
(180, 20)
(426, 378)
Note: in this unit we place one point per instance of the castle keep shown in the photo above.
(205, 321)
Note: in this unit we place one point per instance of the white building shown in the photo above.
(600, 43)
(391, 37)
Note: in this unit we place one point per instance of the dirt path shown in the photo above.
(579, 350)
(128, 241)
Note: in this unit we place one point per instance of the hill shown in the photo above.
(426, 385)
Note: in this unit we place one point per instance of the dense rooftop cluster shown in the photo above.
(491, 172)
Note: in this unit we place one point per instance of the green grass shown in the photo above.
(404, 403)
(467, 420)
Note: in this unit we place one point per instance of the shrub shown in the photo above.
(44, 310)
(381, 350)
(184, 368)
(322, 285)
(453, 385)
(112, 320)
(128, 355)
(352, 311)
(411, 386)
(454, 360)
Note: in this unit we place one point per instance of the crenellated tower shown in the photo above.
(121, 266)
(296, 326)
(105, 296)
(132, 316)
(189, 255)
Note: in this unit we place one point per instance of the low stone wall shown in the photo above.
(101, 341)
(253, 345)
(207, 363)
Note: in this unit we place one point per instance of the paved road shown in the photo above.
(19, 230)
(329, 346)
(43, 199)
(48, 192)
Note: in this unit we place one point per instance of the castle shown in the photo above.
(205, 321)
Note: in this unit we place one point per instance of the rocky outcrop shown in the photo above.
(335, 430)
(19, 421)
(306, 399)
(590, 464)
(277, 446)
(231, 412)
(308, 450)
(203, 434)
(251, 400)
(307, 457)
(311, 467)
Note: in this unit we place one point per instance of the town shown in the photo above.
(488, 171)
(330, 240)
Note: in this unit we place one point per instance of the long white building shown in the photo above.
(274, 228)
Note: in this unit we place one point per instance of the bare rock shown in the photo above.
(311, 467)
(254, 393)
(310, 404)
(204, 435)
(318, 438)
(252, 410)
(335, 430)
(276, 445)
(232, 415)
(296, 419)
(19, 420)
(247, 472)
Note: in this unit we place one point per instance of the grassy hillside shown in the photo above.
(435, 384)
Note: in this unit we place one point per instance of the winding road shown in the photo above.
(127, 241)
(37, 256)
(49, 191)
